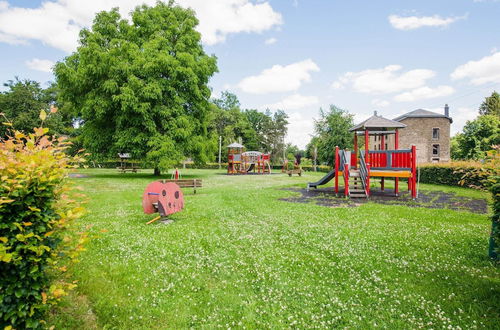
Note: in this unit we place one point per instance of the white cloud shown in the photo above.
(270, 41)
(460, 118)
(380, 103)
(424, 93)
(479, 72)
(386, 80)
(293, 102)
(415, 22)
(300, 129)
(279, 78)
(40, 65)
(12, 40)
(57, 23)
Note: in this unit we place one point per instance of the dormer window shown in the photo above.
(435, 133)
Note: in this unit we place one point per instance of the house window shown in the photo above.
(386, 146)
(435, 133)
(435, 150)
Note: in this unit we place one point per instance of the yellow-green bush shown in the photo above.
(37, 211)
(468, 174)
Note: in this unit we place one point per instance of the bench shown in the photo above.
(124, 169)
(187, 183)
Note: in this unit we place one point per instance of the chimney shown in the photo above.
(446, 110)
(375, 113)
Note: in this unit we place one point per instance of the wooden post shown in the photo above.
(220, 150)
(337, 164)
(346, 180)
(413, 172)
(382, 147)
(355, 150)
(367, 180)
(315, 158)
(367, 142)
(396, 146)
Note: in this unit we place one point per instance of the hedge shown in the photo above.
(36, 213)
(468, 174)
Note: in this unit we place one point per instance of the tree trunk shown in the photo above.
(157, 171)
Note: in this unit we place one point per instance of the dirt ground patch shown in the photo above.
(428, 199)
(78, 175)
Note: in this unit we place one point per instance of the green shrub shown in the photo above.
(36, 213)
(469, 174)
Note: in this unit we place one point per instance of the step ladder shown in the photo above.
(356, 189)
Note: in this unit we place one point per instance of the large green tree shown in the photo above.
(21, 104)
(332, 129)
(140, 86)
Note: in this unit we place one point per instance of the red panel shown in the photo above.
(168, 195)
(150, 196)
(171, 199)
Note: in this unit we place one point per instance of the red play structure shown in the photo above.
(355, 169)
(163, 197)
(241, 162)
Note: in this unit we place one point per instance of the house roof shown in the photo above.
(236, 145)
(422, 113)
(377, 123)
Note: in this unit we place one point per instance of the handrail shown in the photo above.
(345, 173)
(364, 173)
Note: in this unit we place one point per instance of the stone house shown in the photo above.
(428, 131)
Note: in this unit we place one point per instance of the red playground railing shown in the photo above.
(391, 159)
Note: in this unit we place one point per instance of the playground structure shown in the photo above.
(163, 197)
(358, 167)
(246, 162)
(297, 169)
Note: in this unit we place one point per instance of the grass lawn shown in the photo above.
(238, 256)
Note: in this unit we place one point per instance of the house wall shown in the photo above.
(419, 133)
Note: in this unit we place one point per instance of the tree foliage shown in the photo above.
(256, 130)
(230, 122)
(478, 137)
(141, 86)
(21, 104)
(332, 129)
(491, 105)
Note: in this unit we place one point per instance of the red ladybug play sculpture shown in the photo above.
(163, 197)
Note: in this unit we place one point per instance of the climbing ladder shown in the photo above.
(356, 186)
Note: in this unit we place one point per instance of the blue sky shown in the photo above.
(390, 56)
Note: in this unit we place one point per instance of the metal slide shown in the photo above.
(324, 180)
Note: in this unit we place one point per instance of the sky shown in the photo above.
(300, 56)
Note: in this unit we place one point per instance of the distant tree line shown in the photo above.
(141, 86)
(256, 130)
